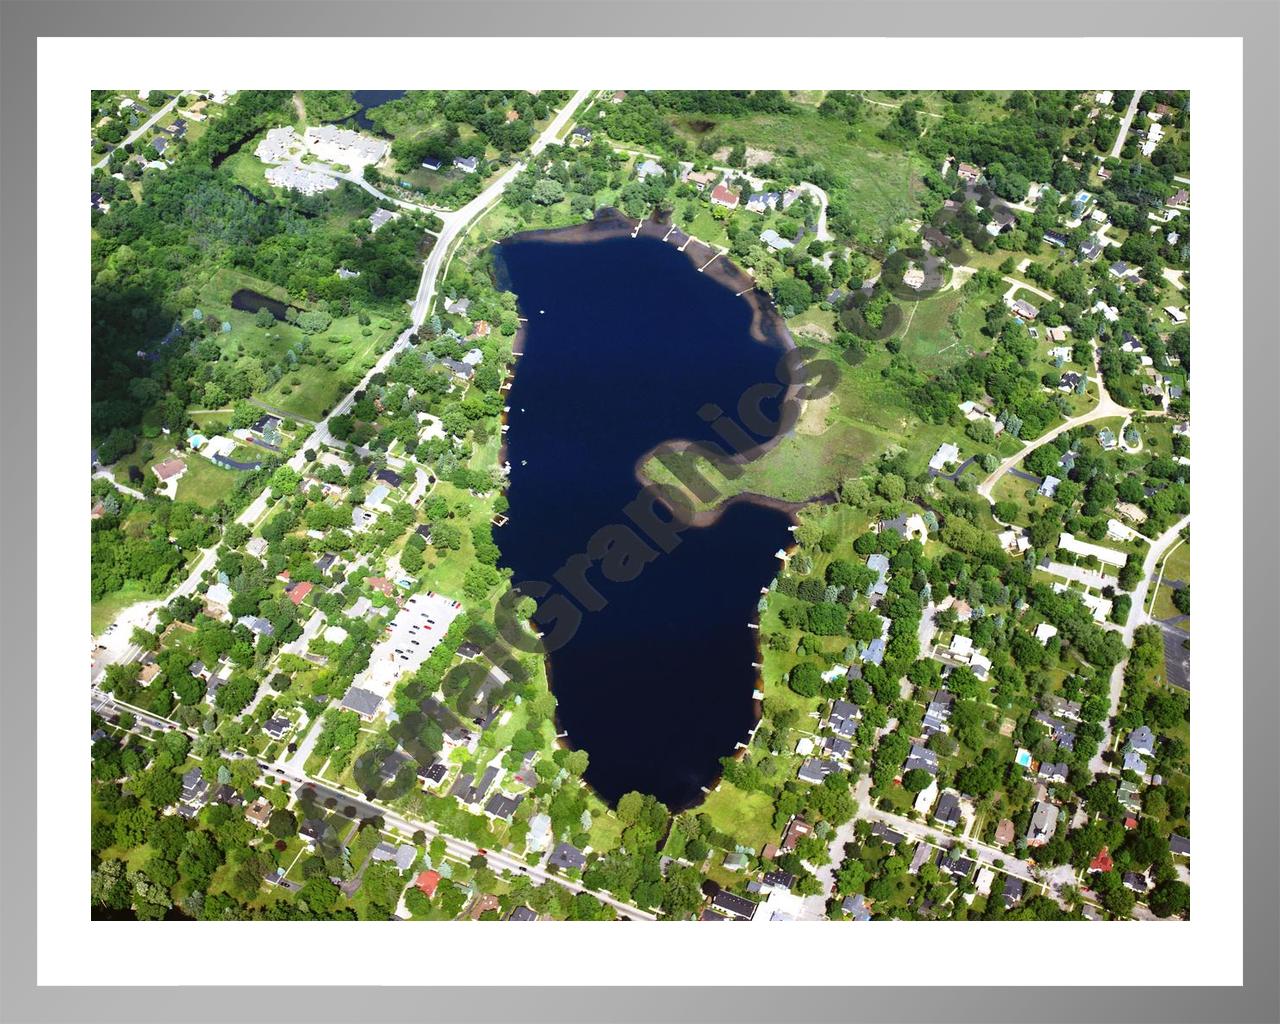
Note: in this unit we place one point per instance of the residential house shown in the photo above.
(426, 882)
(843, 718)
(856, 907)
(258, 813)
(797, 829)
(948, 813)
(381, 217)
(938, 712)
(1011, 894)
(946, 454)
(883, 832)
(815, 771)
(502, 806)
(363, 702)
(774, 241)
(649, 169)
(466, 164)
(1022, 308)
(724, 196)
(256, 625)
(922, 758)
(758, 202)
(879, 564)
(277, 727)
(738, 907)
(567, 857)
(1044, 822)
(1048, 487)
(701, 179)
(908, 527)
(1136, 882)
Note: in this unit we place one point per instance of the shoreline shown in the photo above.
(766, 328)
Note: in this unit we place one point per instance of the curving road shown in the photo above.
(1138, 616)
(1105, 408)
(455, 225)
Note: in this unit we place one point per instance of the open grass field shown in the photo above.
(880, 183)
(927, 337)
(204, 483)
(103, 611)
(863, 418)
(748, 817)
(343, 352)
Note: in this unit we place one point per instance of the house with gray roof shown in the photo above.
(856, 907)
(502, 806)
(256, 625)
(1044, 822)
(773, 240)
(1142, 740)
(567, 857)
(814, 769)
(734, 906)
(878, 564)
(922, 758)
(649, 169)
(947, 813)
(364, 703)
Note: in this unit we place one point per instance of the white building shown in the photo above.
(343, 146)
(300, 179)
(946, 453)
(279, 145)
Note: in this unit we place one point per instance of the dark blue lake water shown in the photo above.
(370, 98)
(625, 342)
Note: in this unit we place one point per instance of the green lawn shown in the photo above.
(875, 179)
(748, 817)
(104, 610)
(204, 483)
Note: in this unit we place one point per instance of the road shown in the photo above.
(1137, 616)
(141, 130)
(104, 473)
(1105, 408)
(1125, 122)
(460, 849)
(1016, 284)
(455, 224)
(115, 640)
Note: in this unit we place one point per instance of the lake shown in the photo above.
(626, 341)
(248, 301)
(370, 98)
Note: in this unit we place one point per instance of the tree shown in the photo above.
(916, 780)
(1170, 898)
(282, 824)
(805, 679)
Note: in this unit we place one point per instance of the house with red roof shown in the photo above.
(724, 196)
(427, 882)
(298, 591)
(1102, 862)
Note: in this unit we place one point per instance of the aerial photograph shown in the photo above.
(633, 504)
